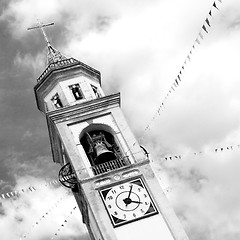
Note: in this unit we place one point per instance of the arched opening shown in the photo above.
(102, 149)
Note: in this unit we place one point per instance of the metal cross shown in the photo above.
(41, 26)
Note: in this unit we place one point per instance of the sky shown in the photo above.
(139, 46)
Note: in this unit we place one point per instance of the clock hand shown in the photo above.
(128, 200)
(135, 201)
(130, 191)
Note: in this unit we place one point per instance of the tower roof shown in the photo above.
(53, 55)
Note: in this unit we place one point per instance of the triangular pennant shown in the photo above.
(207, 21)
(214, 4)
(201, 36)
(197, 40)
(204, 28)
(210, 13)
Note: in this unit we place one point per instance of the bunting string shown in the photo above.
(179, 78)
(30, 189)
(214, 150)
(64, 223)
(44, 216)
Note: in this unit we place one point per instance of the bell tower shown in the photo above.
(110, 175)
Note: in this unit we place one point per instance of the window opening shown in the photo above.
(57, 101)
(76, 91)
(102, 151)
(95, 90)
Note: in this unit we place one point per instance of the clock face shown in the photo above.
(128, 202)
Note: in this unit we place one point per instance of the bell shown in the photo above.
(103, 154)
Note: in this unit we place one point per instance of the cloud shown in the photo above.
(41, 213)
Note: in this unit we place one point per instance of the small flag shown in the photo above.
(207, 21)
(204, 28)
(197, 41)
(214, 4)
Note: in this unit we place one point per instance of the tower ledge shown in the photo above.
(66, 63)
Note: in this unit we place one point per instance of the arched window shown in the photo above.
(102, 150)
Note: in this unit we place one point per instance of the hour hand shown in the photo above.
(136, 201)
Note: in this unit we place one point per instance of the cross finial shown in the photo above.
(53, 54)
(41, 27)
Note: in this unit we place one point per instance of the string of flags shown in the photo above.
(30, 189)
(66, 220)
(215, 150)
(179, 78)
(44, 216)
(17, 193)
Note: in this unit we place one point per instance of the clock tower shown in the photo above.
(110, 175)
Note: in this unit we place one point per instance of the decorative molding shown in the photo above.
(85, 109)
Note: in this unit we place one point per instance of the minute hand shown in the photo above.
(130, 191)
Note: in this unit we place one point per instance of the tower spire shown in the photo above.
(53, 55)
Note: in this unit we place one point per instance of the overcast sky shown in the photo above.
(139, 46)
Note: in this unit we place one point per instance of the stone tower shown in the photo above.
(114, 185)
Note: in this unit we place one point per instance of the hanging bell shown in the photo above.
(103, 154)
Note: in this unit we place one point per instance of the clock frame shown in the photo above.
(128, 201)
